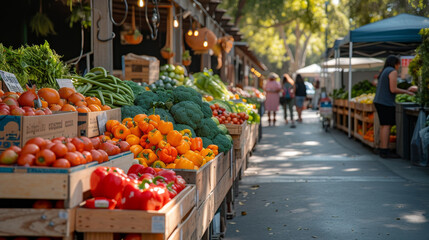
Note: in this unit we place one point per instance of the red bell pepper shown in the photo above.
(100, 203)
(180, 183)
(139, 169)
(108, 182)
(169, 175)
(144, 196)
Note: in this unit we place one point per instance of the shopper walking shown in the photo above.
(272, 89)
(300, 95)
(384, 102)
(288, 98)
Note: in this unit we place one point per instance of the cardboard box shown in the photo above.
(16, 130)
(141, 68)
(87, 123)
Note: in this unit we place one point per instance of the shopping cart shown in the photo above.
(325, 111)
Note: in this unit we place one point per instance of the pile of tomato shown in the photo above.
(62, 152)
(226, 117)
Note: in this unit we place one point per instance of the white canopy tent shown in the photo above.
(312, 70)
(356, 63)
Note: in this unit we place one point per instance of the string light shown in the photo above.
(190, 32)
(175, 22)
(205, 43)
(141, 3)
(196, 33)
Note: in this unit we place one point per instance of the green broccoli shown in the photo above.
(146, 99)
(137, 89)
(222, 142)
(207, 128)
(164, 95)
(187, 112)
(164, 114)
(180, 127)
(183, 93)
(128, 111)
(207, 111)
(206, 142)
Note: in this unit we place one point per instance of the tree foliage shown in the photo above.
(286, 32)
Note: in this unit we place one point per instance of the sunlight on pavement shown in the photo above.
(351, 170)
(311, 143)
(416, 217)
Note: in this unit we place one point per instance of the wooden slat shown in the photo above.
(187, 229)
(36, 222)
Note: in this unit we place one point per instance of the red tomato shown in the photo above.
(30, 148)
(133, 236)
(26, 160)
(49, 145)
(45, 157)
(82, 158)
(96, 142)
(88, 146)
(16, 149)
(38, 141)
(97, 156)
(42, 204)
(59, 149)
(123, 146)
(78, 143)
(70, 147)
(104, 154)
(61, 163)
(62, 139)
(87, 155)
(73, 158)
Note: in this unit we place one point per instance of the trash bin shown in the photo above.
(403, 126)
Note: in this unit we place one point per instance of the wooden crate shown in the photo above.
(58, 184)
(239, 158)
(103, 223)
(208, 176)
(88, 125)
(235, 129)
(141, 68)
(187, 229)
(37, 222)
(240, 140)
(209, 207)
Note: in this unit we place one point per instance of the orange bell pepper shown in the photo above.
(148, 155)
(214, 148)
(174, 138)
(196, 144)
(165, 127)
(196, 158)
(184, 163)
(155, 118)
(121, 131)
(183, 147)
(154, 136)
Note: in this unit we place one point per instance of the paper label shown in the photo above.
(101, 121)
(65, 83)
(11, 82)
(158, 224)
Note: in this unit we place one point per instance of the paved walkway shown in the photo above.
(304, 183)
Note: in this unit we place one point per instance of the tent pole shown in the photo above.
(350, 86)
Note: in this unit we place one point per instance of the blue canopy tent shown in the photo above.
(397, 35)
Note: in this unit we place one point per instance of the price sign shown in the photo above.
(405, 60)
(101, 121)
(11, 82)
(65, 83)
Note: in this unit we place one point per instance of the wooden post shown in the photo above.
(103, 50)
(169, 35)
(178, 40)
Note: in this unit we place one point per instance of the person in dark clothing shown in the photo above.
(288, 97)
(384, 102)
(300, 95)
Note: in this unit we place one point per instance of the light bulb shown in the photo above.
(176, 23)
(141, 3)
(196, 33)
(190, 32)
(205, 43)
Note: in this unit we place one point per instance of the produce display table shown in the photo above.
(403, 129)
(364, 121)
(176, 220)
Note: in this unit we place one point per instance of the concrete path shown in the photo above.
(304, 183)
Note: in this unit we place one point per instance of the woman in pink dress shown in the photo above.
(272, 89)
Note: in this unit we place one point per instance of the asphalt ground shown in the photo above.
(304, 183)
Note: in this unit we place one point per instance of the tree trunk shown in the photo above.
(239, 15)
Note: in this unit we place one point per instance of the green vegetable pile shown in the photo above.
(183, 106)
(363, 87)
(400, 98)
(419, 67)
(340, 94)
(176, 73)
(211, 84)
(38, 64)
(163, 82)
(111, 90)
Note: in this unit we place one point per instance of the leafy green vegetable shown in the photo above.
(187, 112)
(211, 83)
(129, 111)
